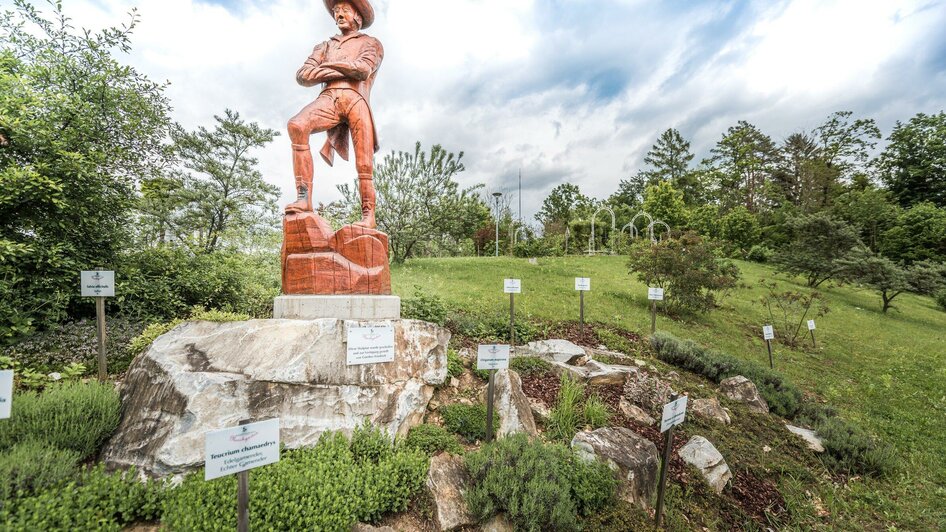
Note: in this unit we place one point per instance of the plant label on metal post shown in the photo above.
(512, 287)
(768, 333)
(811, 329)
(654, 294)
(373, 344)
(6, 393)
(235, 449)
(99, 284)
(582, 285)
(674, 413)
(491, 357)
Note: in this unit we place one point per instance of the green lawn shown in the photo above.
(884, 372)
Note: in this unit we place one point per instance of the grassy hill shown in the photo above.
(885, 372)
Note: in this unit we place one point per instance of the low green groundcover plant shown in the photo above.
(31, 466)
(73, 416)
(454, 365)
(431, 440)
(848, 448)
(468, 421)
(328, 487)
(94, 500)
(540, 486)
(529, 365)
(784, 398)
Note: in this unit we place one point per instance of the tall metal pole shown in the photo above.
(497, 195)
(489, 406)
(520, 197)
(512, 319)
(243, 496)
(100, 333)
(768, 344)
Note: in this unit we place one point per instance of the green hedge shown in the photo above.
(783, 397)
(31, 466)
(540, 486)
(95, 500)
(431, 440)
(468, 421)
(848, 448)
(330, 487)
(75, 416)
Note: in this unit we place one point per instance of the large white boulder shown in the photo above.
(741, 389)
(447, 482)
(512, 405)
(203, 376)
(558, 350)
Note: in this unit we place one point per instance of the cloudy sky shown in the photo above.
(565, 90)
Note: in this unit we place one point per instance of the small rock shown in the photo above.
(433, 405)
(766, 449)
(710, 409)
(602, 347)
(672, 376)
(700, 453)
(540, 410)
(512, 406)
(632, 456)
(454, 382)
(577, 372)
(604, 374)
(810, 437)
(534, 261)
(635, 413)
(639, 363)
(741, 389)
(557, 350)
(447, 482)
(498, 523)
(465, 401)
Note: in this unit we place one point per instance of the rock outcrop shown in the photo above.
(647, 391)
(701, 454)
(633, 457)
(447, 482)
(556, 350)
(203, 376)
(811, 438)
(512, 406)
(741, 389)
(710, 409)
(635, 413)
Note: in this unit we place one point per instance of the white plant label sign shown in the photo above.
(241, 448)
(768, 332)
(811, 325)
(583, 284)
(492, 357)
(674, 414)
(98, 284)
(512, 286)
(370, 344)
(655, 294)
(6, 393)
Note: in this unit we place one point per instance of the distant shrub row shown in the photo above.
(848, 448)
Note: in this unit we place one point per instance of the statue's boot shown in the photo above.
(302, 165)
(366, 188)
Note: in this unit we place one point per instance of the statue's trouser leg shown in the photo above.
(302, 168)
(319, 115)
(362, 134)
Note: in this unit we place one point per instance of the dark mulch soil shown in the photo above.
(572, 331)
(753, 496)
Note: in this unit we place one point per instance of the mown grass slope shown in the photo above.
(886, 372)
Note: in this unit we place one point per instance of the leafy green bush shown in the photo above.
(941, 299)
(75, 343)
(848, 448)
(454, 365)
(468, 421)
(330, 486)
(760, 253)
(539, 486)
(783, 397)
(76, 416)
(424, 306)
(572, 411)
(95, 500)
(687, 267)
(431, 440)
(30, 466)
(529, 365)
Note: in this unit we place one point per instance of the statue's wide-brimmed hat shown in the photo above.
(363, 7)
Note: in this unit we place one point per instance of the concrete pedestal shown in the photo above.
(358, 307)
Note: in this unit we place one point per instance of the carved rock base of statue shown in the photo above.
(318, 261)
(204, 376)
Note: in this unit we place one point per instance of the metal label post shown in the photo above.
(664, 465)
(243, 496)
